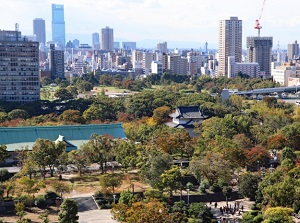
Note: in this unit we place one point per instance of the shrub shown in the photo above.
(215, 188)
(190, 185)
(4, 174)
(40, 201)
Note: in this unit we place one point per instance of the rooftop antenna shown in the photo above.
(17, 31)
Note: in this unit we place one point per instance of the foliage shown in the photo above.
(60, 187)
(79, 159)
(248, 185)
(278, 215)
(68, 212)
(63, 94)
(3, 153)
(170, 179)
(4, 174)
(110, 181)
(126, 153)
(46, 153)
(126, 197)
(72, 116)
(200, 211)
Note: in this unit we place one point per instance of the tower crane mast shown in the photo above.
(257, 21)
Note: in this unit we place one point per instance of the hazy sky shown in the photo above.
(194, 21)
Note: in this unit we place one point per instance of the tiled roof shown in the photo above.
(188, 112)
(16, 137)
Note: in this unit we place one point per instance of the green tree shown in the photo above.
(126, 197)
(278, 215)
(46, 153)
(248, 185)
(110, 181)
(44, 217)
(80, 159)
(72, 116)
(17, 113)
(200, 211)
(60, 187)
(63, 94)
(30, 186)
(171, 179)
(3, 153)
(68, 212)
(20, 211)
(126, 153)
(99, 149)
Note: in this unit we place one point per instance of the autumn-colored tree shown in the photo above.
(72, 116)
(161, 114)
(79, 159)
(110, 182)
(257, 157)
(278, 214)
(277, 142)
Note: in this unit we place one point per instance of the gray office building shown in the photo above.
(58, 25)
(19, 68)
(56, 64)
(96, 41)
(39, 30)
(293, 51)
(259, 50)
(107, 39)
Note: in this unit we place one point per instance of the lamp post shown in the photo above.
(114, 198)
(188, 196)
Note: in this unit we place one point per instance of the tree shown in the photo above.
(30, 186)
(60, 187)
(171, 179)
(213, 167)
(46, 154)
(68, 212)
(17, 113)
(72, 116)
(3, 153)
(126, 153)
(278, 215)
(248, 185)
(63, 94)
(257, 157)
(20, 211)
(99, 149)
(44, 217)
(161, 114)
(80, 159)
(200, 211)
(110, 181)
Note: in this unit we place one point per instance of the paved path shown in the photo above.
(96, 216)
(85, 204)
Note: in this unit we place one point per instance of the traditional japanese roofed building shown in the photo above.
(73, 135)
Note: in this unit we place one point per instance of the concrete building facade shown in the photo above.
(234, 68)
(39, 30)
(259, 50)
(56, 62)
(230, 43)
(107, 39)
(177, 65)
(19, 68)
(293, 51)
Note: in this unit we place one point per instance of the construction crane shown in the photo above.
(257, 21)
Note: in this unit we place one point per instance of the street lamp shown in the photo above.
(114, 198)
(188, 196)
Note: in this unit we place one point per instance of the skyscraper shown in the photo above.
(162, 47)
(19, 68)
(230, 43)
(293, 50)
(96, 41)
(56, 63)
(39, 30)
(107, 39)
(58, 25)
(259, 50)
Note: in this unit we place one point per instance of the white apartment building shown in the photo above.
(251, 69)
(286, 74)
(156, 67)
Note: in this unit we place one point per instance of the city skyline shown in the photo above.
(190, 22)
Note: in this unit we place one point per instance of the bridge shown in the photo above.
(266, 90)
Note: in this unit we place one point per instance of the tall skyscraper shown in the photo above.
(19, 68)
(293, 51)
(96, 41)
(58, 25)
(230, 43)
(107, 39)
(259, 50)
(56, 63)
(39, 30)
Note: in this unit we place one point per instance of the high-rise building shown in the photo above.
(96, 41)
(56, 63)
(177, 65)
(58, 25)
(107, 39)
(230, 43)
(162, 47)
(19, 68)
(259, 50)
(293, 51)
(129, 45)
(39, 30)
